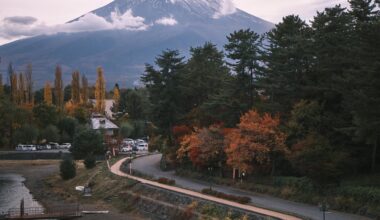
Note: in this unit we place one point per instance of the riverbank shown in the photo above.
(41, 174)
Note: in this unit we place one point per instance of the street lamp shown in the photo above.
(324, 207)
(242, 176)
(210, 173)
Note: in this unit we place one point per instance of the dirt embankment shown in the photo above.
(43, 181)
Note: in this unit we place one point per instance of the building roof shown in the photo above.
(102, 123)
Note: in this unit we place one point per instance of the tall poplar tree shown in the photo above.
(29, 85)
(116, 98)
(21, 89)
(100, 91)
(58, 88)
(14, 88)
(1, 84)
(84, 90)
(48, 98)
(75, 88)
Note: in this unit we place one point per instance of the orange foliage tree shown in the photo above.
(47, 94)
(255, 142)
(204, 147)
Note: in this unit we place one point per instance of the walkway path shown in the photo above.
(116, 170)
(150, 165)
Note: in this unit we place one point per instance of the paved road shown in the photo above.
(265, 212)
(150, 165)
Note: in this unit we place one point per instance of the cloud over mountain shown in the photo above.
(18, 26)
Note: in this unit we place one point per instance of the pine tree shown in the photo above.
(244, 48)
(75, 88)
(48, 99)
(363, 10)
(288, 62)
(116, 98)
(29, 85)
(100, 91)
(58, 88)
(163, 87)
(84, 91)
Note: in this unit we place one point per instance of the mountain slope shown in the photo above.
(138, 31)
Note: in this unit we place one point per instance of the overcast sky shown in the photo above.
(55, 12)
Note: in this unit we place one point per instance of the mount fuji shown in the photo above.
(125, 34)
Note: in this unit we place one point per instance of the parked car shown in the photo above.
(129, 141)
(22, 147)
(142, 146)
(126, 148)
(54, 145)
(65, 146)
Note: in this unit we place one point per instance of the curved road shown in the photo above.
(115, 169)
(149, 165)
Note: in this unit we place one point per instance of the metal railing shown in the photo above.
(55, 211)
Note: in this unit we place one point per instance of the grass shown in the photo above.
(105, 186)
(12, 163)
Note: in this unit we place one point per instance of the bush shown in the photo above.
(166, 181)
(89, 162)
(361, 193)
(87, 142)
(239, 199)
(67, 169)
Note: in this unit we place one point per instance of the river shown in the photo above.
(12, 191)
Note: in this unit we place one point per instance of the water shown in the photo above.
(12, 191)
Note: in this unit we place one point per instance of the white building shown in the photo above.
(99, 122)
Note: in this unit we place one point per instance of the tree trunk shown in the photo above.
(273, 168)
(374, 154)
(251, 88)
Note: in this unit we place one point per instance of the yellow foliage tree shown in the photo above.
(14, 88)
(75, 88)
(100, 91)
(84, 91)
(116, 98)
(58, 87)
(1, 84)
(47, 94)
(21, 89)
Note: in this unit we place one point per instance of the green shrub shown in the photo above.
(239, 199)
(361, 193)
(166, 181)
(67, 169)
(89, 162)
(301, 183)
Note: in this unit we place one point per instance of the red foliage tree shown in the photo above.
(255, 142)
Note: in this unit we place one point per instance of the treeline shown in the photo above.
(52, 114)
(302, 99)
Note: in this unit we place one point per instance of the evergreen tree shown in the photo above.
(288, 62)
(363, 10)
(58, 88)
(163, 87)
(100, 91)
(205, 76)
(244, 48)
